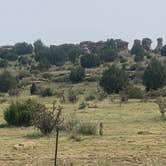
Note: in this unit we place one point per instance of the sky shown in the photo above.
(73, 21)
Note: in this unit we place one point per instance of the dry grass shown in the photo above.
(133, 135)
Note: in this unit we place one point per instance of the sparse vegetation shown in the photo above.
(57, 73)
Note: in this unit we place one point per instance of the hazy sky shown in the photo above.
(65, 21)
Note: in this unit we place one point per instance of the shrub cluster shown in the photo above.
(77, 74)
(21, 113)
(135, 92)
(44, 120)
(47, 92)
(155, 75)
(90, 60)
(7, 81)
(74, 125)
(114, 80)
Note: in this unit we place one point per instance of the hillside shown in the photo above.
(133, 130)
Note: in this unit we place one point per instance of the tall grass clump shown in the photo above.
(86, 128)
(74, 125)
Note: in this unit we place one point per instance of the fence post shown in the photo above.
(56, 145)
(58, 122)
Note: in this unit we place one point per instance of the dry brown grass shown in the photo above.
(133, 135)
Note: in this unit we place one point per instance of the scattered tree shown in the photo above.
(7, 81)
(23, 48)
(114, 80)
(163, 51)
(90, 60)
(155, 75)
(108, 55)
(22, 113)
(77, 74)
(3, 63)
(33, 89)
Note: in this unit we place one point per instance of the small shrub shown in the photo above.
(3, 63)
(74, 126)
(92, 105)
(71, 122)
(90, 60)
(33, 89)
(43, 65)
(90, 97)
(86, 128)
(114, 80)
(7, 81)
(75, 136)
(46, 92)
(77, 74)
(23, 48)
(122, 59)
(108, 55)
(82, 106)
(155, 75)
(72, 97)
(123, 97)
(45, 121)
(14, 92)
(154, 94)
(101, 95)
(21, 113)
(163, 51)
(162, 105)
(23, 74)
(135, 93)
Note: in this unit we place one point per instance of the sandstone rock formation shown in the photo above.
(121, 45)
(6, 48)
(159, 45)
(137, 42)
(146, 44)
(89, 47)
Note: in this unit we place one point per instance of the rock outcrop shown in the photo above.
(121, 45)
(146, 44)
(159, 45)
(137, 42)
(89, 47)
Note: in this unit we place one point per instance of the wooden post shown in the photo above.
(101, 129)
(56, 146)
(58, 122)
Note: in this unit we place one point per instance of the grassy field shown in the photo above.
(134, 134)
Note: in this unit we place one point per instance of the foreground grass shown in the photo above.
(133, 135)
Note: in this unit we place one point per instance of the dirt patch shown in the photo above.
(25, 145)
